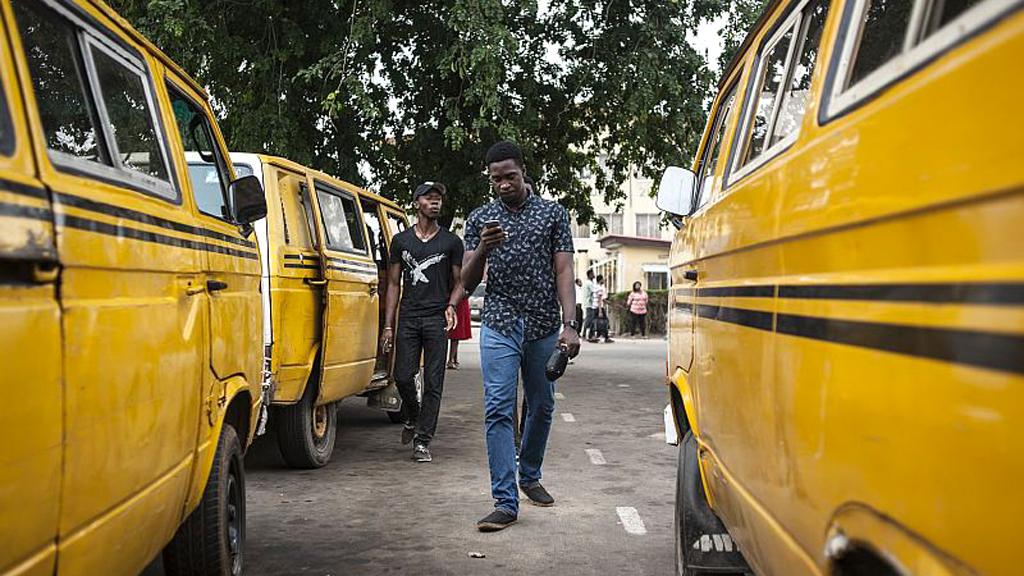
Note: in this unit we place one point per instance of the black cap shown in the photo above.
(427, 187)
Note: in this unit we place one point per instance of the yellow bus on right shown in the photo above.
(846, 351)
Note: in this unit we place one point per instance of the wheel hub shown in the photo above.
(319, 422)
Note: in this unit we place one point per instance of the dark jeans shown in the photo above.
(588, 323)
(418, 336)
(637, 322)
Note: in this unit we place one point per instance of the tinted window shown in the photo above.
(710, 162)
(341, 221)
(772, 76)
(307, 207)
(131, 116)
(794, 100)
(945, 11)
(374, 233)
(881, 38)
(208, 175)
(58, 77)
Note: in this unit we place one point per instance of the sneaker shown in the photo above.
(538, 495)
(608, 341)
(421, 453)
(408, 433)
(497, 520)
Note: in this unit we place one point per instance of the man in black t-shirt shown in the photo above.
(427, 260)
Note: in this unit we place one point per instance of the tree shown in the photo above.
(742, 14)
(388, 94)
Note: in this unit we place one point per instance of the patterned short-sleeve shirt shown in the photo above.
(520, 272)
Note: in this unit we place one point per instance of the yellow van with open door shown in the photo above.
(129, 305)
(325, 268)
(847, 306)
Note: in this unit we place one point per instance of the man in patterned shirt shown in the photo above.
(526, 243)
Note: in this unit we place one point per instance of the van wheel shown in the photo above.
(212, 539)
(695, 521)
(306, 432)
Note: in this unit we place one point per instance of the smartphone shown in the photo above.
(491, 223)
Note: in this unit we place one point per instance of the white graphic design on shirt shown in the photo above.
(416, 268)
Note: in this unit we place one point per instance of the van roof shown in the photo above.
(333, 180)
(137, 36)
(737, 56)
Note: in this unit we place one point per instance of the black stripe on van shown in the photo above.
(23, 189)
(146, 236)
(301, 257)
(303, 266)
(142, 217)
(353, 269)
(368, 267)
(739, 291)
(21, 211)
(963, 293)
(982, 349)
(749, 318)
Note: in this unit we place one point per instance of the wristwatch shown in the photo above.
(571, 324)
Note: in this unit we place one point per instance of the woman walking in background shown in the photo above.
(637, 305)
(462, 331)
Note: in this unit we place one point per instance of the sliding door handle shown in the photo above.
(315, 282)
(690, 275)
(215, 285)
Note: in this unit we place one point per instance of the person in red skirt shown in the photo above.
(462, 331)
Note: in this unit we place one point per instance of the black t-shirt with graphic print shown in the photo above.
(426, 271)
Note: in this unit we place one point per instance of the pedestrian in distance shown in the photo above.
(427, 260)
(600, 303)
(588, 299)
(526, 243)
(636, 302)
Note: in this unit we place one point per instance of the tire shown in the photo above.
(306, 432)
(211, 541)
(691, 506)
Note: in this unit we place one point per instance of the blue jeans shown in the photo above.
(502, 356)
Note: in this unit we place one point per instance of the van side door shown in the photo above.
(30, 467)
(130, 259)
(231, 260)
(350, 320)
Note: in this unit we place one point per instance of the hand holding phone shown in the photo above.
(492, 235)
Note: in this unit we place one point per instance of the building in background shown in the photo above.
(635, 244)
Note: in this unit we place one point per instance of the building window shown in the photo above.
(657, 280)
(613, 223)
(648, 225)
(580, 230)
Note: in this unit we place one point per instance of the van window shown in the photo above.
(771, 78)
(307, 208)
(794, 99)
(208, 176)
(130, 115)
(340, 217)
(396, 223)
(888, 39)
(783, 81)
(58, 77)
(709, 163)
(374, 233)
(881, 37)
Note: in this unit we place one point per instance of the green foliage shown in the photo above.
(388, 94)
(742, 14)
(657, 312)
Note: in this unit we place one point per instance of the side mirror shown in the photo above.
(675, 193)
(248, 200)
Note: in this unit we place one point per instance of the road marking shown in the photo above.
(559, 396)
(631, 520)
(568, 417)
(623, 385)
(596, 457)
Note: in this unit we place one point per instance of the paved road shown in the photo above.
(373, 511)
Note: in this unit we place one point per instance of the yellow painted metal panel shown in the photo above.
(890, 374)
